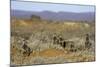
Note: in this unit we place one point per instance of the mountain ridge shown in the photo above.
(58, 16)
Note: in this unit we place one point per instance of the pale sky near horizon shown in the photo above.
(37, 6)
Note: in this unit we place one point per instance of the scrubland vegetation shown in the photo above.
(37, 41)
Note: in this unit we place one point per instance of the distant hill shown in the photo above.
(58, 16)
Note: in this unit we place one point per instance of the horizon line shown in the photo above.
(52, 11)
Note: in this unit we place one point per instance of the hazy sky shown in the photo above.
(34, 6)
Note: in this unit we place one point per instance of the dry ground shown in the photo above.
(45, 52)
